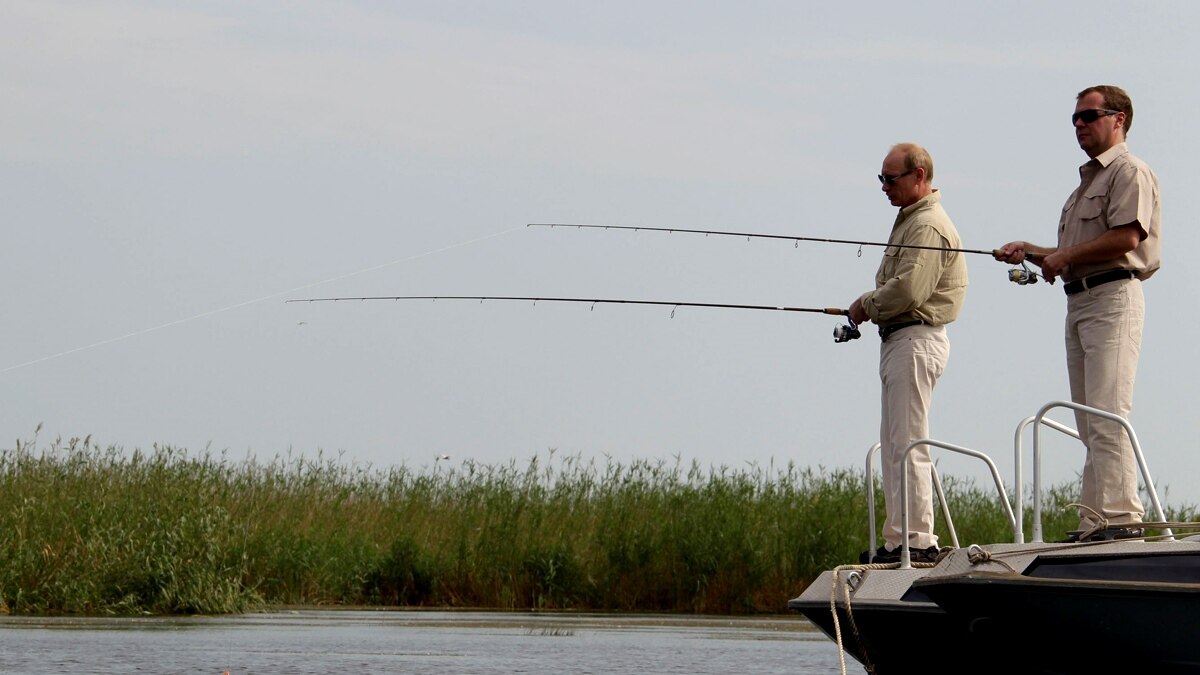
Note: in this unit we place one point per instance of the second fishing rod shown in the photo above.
(843, 333)
(1022, 275)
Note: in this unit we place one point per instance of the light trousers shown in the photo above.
(1104, 340)
(910, 362)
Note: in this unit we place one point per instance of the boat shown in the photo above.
(1018, 607)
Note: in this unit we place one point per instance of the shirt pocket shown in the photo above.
(889, 265)
(1091, 206)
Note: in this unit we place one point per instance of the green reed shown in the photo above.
(86, 529)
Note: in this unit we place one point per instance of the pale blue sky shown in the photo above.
(171, 173)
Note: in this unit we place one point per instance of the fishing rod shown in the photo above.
(1022, 276)
(840, 333)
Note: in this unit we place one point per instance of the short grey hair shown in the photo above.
(916, 157)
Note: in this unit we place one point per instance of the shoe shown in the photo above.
(886, 557)
(881, 553)
(1106, 534)
(925, 555)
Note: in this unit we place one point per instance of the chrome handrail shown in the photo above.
(1014, 511)
(1018, 487)
(1037, 462)
(905, 558)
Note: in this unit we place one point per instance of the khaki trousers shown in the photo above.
(1104, 340)
(910, 362)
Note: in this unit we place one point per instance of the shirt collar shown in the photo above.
(924, 202)
(1105, 158)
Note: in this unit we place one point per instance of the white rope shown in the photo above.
(837, 626)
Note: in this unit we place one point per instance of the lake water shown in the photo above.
(314, 642)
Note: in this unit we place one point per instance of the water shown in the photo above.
(311, 642)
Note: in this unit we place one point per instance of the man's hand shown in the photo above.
(1012, 253)
(1053, 265)
(856, 312)
(1017, 252)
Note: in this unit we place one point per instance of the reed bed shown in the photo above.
(94, 530)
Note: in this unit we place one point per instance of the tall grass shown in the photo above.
(86, 529)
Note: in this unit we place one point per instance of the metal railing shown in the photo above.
(937, 486)
(1040, 420)
(1014, 511)
(905, 556)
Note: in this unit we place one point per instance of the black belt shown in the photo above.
(1073, 287)
(885, 331)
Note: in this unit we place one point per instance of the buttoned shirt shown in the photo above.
(919, 283)
(1115, 189)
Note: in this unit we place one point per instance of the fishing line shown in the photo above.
(255, 300)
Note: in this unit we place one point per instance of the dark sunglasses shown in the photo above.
(1091, 115)
(889, 181)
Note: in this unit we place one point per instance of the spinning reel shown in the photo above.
(1022, 276)
(846, 333)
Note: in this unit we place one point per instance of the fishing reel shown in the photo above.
(1022, 276)
(846, 333)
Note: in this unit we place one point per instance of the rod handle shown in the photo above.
(1030, 256)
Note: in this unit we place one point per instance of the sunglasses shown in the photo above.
(889, 181)
(1091, 115)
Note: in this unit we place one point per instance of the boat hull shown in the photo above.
(878, 624)
(881, 639)
(1047, 609)
(1084, 626)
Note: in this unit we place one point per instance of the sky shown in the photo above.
(171, 174)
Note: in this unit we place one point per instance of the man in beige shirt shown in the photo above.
(919, 288)
(1108, 244)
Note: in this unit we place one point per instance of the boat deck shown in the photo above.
(978, 597)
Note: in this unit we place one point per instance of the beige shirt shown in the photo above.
(1115, 189)
(919, 283)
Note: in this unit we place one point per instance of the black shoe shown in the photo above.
(886, 557)
(1106, 534)
(882, 556)
(925, 555)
